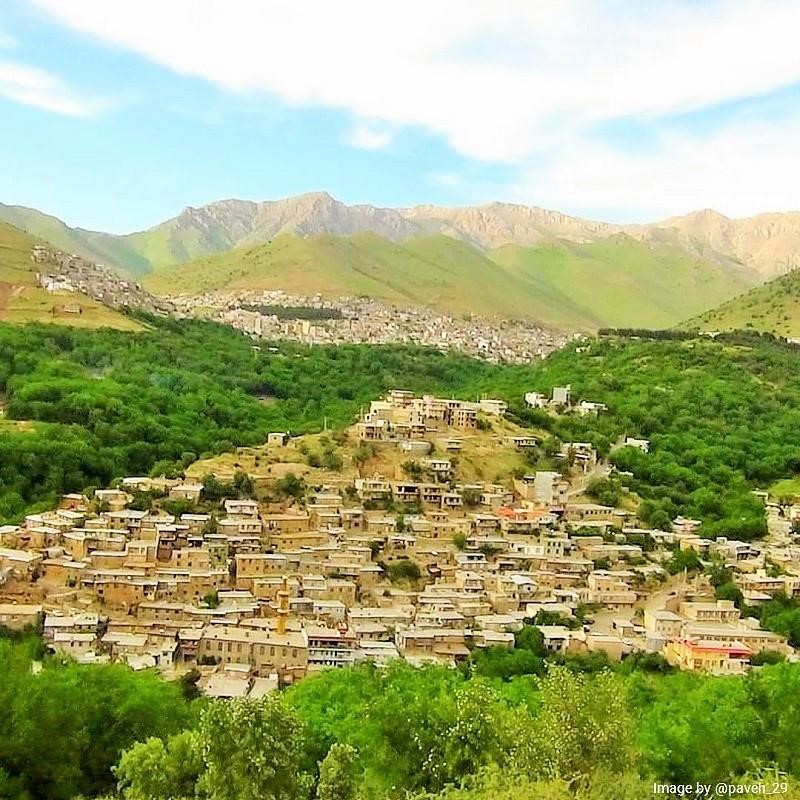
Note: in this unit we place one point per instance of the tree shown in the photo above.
(337, 776)
(211, 599)
(81, 717)
(402, 570)
(730, 591)
(331, 460)
(242, 484)
(155, 770)
(291, 486)
(251, 750)
(413, 469)
(683, 560)
(188, 683)
(471, 497)
(584, 724)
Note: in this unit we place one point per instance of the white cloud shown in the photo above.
(35, 87)
(739, 171)
(518, 82)
(498, 81)
(365, 137)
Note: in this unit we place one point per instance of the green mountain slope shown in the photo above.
(171, 242)
(615, 282)
(773, 307)
(121, 252)
(16, 267)
(618, 282)
(21, 300)
(435, 271)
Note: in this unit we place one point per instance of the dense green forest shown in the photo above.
(721, 415)
(106, 405)
(578, 730)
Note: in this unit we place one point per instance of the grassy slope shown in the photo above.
(619, 282)
(15, 256)
(434, 270)
(22, 301)
(168, 243)
(123, 252)
(485, 455)
(773, 307)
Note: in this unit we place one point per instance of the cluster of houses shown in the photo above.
(402, 415)
(561, 399)
(254, 596)
(362, 320)
(65, 272)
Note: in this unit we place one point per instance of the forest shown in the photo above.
(81, 407)
(577, 730)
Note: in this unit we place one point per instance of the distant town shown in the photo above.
(313, 319)
(377, 543)
(361, 320)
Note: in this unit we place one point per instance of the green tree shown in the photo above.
(337, 774)
(291, 486)
(155, 770)
(583, 725)
(251, 750)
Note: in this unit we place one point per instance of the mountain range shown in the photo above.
(766, 244)
(499, 258)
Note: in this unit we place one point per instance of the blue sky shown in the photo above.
(114, 116)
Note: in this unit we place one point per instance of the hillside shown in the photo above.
(199, 389)
(104, 248)
(773, 307)
(603, 283)
(213, 228)
(484, 455)
(22, 301)
(615, 282)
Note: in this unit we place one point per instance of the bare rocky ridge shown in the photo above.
(244, 223)
(767, 244)
(498, 224)
(764, 246)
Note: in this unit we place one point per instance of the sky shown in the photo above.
(116, 115)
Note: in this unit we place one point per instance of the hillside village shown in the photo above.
(428, 530)
(60, 272)
(354, 320)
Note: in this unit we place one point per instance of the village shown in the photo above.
(362, 320)
(421, 533)
(60, 272)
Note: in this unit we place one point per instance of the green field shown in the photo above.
(22, 302)
(29, 304)
(790, 487)
(16, 266)
(615, 283)
(773, 307)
